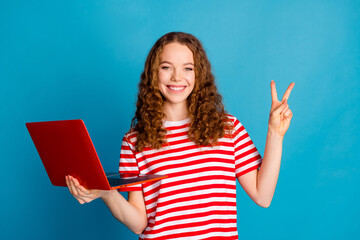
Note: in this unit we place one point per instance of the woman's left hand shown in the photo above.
(280, 113)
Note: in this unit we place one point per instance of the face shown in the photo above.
(176, 73)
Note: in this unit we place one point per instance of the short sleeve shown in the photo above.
(247, 157)
(128, 166)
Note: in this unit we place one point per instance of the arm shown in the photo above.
(130, 212)
(260, 184)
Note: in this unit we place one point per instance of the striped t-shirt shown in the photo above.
(198, 198)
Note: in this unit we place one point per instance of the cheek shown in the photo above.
(191, 78)
(163, 76)
(162, 81)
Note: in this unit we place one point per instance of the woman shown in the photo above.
(181, 129)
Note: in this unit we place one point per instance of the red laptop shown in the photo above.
(65, 148)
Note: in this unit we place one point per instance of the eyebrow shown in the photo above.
(189, 63)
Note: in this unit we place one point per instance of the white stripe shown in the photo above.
(247, 157)
(132, 139)
(191, 229)
(183, 170)
(192, 220)
(194, 211)
(194, 202)
(237, 127)
(188, 159)
(211, 234)
(189, 176)
(176, 151)
(176, 123)
(165, 148)
(191, 185)
(244, 149)
(248, 166)
(176, 131)
(189, 194)
(127, 152)
(153, 185)
(128, 160)
(125, 169)
(244, 141)
(179, 138)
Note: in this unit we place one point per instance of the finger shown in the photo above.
(281, 108)
(288, 91)
(287, 119)
(282, 114)
(273, 91)
(73, 187)
(76, 182)
(80, 188)
(70, 185)
(80, 200)
(288, 114)
(73, 190)
(67, 181)
(83, 190)
(84, 198)
(286, 108)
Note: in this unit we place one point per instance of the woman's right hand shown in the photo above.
(82, 194)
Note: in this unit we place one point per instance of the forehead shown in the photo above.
(176, 52)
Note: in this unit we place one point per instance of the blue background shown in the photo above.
(82, 59)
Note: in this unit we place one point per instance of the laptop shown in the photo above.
(65, 148)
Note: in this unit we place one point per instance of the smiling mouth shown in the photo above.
(175, 88)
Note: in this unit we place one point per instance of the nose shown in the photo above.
(176, 76)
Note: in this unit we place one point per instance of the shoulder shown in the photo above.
(236, 126)
(232, 119)
(130, 137)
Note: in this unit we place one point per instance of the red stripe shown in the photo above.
(244, 145)
(190, 180)
(177, 127)
(194, 189)
(194, 224)
(248, 170)
(128, 164)
(151, 162)
(222, 238)
(161, 170)
(174, 135)
(193, 198)
(250, 160)
(158, 162)
(195, 215)
(196, 233)
(244, 154)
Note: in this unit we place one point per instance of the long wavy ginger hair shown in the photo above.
(206, 110)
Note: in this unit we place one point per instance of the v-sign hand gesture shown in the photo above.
(280, 113)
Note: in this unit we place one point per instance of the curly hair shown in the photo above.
(209, 120)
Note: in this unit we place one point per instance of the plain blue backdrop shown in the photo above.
(83, 58)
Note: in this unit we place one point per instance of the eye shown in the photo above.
(165, 67)
(189, 69)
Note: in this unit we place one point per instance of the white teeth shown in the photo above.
(176, 88)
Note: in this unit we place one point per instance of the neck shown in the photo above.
(175, 112)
